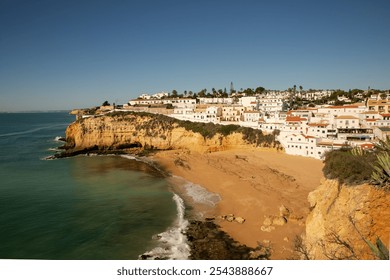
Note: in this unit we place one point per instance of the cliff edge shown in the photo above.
(344, 218)
(120, 131)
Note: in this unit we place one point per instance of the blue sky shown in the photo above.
(72, 54)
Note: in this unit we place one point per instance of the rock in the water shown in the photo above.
(240, 220)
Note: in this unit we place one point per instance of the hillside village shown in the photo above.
(308, 130)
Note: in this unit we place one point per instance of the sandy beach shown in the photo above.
(253, 183)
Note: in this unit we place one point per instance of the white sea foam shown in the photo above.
(200, 195)
(129, 157)
(48, 158)
(197, 193)
(58, 139)
(172, 243)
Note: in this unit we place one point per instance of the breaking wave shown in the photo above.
(173, 243)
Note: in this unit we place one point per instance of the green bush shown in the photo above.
(348, 167)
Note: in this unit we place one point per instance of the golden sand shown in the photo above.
(253, 183)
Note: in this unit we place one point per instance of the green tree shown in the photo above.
(259, 90)
(174, 93)
(105, 103)
(202, 93)
(249, 92)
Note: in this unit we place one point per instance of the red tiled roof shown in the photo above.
(346, 117)
(341, 107)
(294, 119)
(367, 146)
(317, 124)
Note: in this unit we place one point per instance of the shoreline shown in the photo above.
(267, 188)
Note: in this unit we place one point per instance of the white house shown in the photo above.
(270, 103)
(247, 101)
(251, 116)
(215, 100)
(347, 122)
(232, 113)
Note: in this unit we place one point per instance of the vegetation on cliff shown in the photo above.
(207, 130)
(356, 166)
(348, 167)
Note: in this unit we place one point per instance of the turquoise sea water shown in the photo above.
(96, 207)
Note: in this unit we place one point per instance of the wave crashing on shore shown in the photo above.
(200, 195)
(173, 242)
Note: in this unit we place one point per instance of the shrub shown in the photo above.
(381, 174)
(349, 167)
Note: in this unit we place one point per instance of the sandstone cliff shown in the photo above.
(132, 130)
(341, 216)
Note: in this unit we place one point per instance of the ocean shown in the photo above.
(84, 207)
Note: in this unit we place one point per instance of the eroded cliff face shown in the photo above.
(341, 216)
(145, 132)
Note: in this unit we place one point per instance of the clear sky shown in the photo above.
(57, 54)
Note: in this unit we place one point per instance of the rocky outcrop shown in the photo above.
(125, 131)
(343, 219)
(209, 242)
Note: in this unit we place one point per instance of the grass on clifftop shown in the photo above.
(207, 130)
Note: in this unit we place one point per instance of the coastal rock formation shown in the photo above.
(209, 242)
(273, 220)
(143, 131)
(342, 218)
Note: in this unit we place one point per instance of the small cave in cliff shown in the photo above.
(130, 145)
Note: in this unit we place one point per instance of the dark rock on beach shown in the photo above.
(209, 242)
